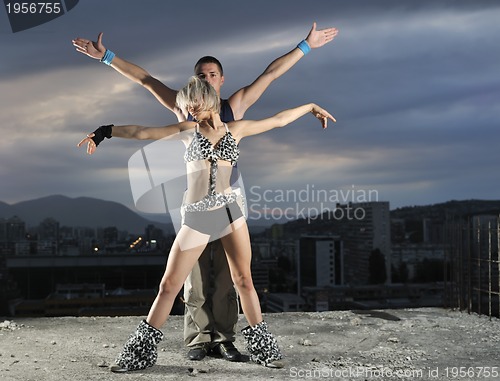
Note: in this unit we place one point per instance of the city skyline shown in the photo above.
(414, 88)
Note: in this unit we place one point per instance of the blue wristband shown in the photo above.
(304, 46)
(108, 57)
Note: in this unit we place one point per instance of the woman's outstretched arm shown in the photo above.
(253, 127)
(132, 132)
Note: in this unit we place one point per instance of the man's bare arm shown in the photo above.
(241, 100)
(165, 95)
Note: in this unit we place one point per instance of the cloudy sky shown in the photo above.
(414, 85)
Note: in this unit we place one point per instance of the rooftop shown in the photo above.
(412, 344)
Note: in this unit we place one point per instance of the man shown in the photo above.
(210, 319)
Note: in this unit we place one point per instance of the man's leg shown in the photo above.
(225, 306)
(198, 319)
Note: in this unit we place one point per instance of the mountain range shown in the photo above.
(80, 212)
(96, 213)
(449, 209)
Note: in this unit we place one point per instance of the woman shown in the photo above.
(212, 150)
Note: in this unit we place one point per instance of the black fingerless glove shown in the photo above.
(101, 133)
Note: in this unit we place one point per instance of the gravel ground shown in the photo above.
(407, 344)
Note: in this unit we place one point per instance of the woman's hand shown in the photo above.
(91, 146)
(92, 49)
(322, 115)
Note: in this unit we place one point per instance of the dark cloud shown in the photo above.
(414, 86)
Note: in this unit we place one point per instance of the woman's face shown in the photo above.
(199, 113)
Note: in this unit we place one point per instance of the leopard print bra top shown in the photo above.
(201, 148)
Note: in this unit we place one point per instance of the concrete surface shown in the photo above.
(407, 344)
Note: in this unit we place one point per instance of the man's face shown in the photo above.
(210, 72)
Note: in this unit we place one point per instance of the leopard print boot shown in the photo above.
(262, 346)
(139, 352)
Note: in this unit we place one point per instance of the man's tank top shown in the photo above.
(226, 112)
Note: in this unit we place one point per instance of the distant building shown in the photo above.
(110, 235)
(282, 302)
(23, 248)
(364, 228)
(412, 254)
(154, 236)
(261, 249)
(373, 296)
(48, 237)
(398, 230)
(260, 276)
(321, 261)
(433, 231)
(12, 230)
(12, 234)
(327, 298)
(85, 239)
(48, 230)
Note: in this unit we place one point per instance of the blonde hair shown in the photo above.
(199, 95)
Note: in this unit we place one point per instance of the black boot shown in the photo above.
(262, 346)
(139, 352)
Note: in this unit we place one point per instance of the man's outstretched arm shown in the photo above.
(95, 49)
(241, 100)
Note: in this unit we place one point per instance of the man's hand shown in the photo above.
(92, 49)
(318, 38)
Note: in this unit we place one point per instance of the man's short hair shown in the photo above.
(209, 59)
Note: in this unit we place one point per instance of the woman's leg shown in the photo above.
(139, 352)
(185, 251)
(261, 344)
(239, 256)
